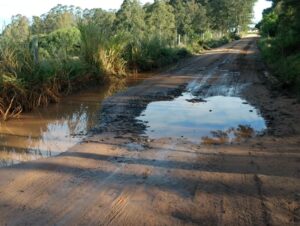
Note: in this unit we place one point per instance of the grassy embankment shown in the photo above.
(280, 43)
(67, 60)
(71, 58)
(67, 48)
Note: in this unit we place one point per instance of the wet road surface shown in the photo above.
(121, 176)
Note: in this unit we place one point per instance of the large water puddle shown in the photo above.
(213, 120)
(52, 130)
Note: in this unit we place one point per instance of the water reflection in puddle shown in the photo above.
(217, 119)
(49, 131)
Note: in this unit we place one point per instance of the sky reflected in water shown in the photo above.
(199, 119)
(48, 131)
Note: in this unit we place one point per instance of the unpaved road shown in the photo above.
(118, 177)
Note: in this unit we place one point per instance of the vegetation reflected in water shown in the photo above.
(49, 131)
(239, 134)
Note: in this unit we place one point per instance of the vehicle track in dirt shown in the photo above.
(118, 176)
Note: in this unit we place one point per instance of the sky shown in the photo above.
(258, 9)
(31, 8)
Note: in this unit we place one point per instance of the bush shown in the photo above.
(155, 53)
(61, 43)
(285, 68)
(234, 36)
(26, 83)
(268, 27)
(214, 43)
(103, 54)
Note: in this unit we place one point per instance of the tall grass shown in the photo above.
(103, 53)
(284, 64)
(26, 84)
(11, 86)
(40, 69)
(152, 53)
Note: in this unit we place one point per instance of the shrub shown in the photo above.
(285, 68)
(155, 53)
(60, 43)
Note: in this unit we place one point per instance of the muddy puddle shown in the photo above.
(211, 120)
(52, 130)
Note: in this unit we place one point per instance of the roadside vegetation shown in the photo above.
(280, 42)
(45, 57)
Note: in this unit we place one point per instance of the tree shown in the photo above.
(103, 20)
(230, 15)
(180, 15)
(18, 30)
(59, 17)
(269, 24)
(161, 20)
(37, 26)
(196, 21)
(131, 18)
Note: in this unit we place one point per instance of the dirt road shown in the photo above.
(118, 176)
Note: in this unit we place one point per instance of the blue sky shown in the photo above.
(30, 8)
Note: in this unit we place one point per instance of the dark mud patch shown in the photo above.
(196, 100)
(120, 115)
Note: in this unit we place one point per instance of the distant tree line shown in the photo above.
(169, 20)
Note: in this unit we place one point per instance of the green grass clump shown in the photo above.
(155, 53)
(286, 67)
(26, 84)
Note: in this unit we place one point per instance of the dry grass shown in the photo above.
(111, 62)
